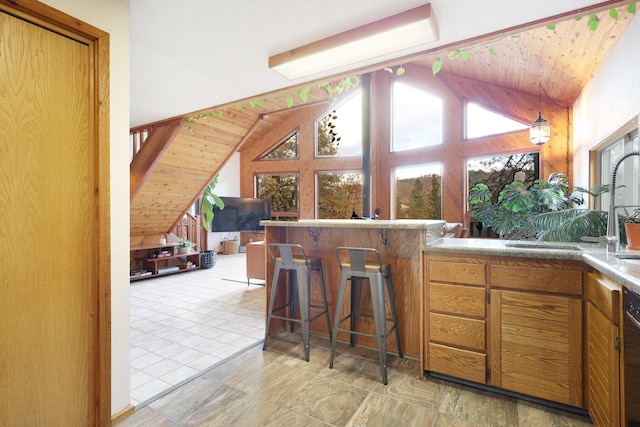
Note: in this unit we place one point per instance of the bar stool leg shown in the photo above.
(379, 315)
(272, 297)
(336, 317)
(356, 294)
(293, 298)
(394, 311)
(304, 303)
(324, 300)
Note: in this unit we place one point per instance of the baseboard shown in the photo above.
(122, 415)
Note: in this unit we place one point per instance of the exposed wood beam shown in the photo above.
(153, 148)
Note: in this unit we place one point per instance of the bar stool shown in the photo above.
(357, 264)
(293, 259)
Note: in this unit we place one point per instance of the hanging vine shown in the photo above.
(465, 53)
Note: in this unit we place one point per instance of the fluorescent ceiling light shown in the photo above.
(408, 29)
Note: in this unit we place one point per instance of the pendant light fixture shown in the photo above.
(540, 130)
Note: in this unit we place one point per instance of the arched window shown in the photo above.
(416, 118)
(482, 122)
(339, 133)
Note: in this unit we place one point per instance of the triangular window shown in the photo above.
(285, 149)
(482, 122)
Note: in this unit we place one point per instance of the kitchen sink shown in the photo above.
(549, 245)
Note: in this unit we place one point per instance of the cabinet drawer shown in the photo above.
(605, 295)
(457, 331)
(458, 363)
(456, 272)
(455, 299)
(544, 279)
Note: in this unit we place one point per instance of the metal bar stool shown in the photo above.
(357, 264)
(293, 259)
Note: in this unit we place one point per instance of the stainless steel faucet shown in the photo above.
(613, 228)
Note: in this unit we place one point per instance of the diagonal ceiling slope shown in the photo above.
(563, 60)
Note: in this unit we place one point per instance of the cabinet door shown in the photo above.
(603, 360)
(536, 345)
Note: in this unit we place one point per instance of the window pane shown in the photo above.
(482, 122)
(287, 149)
(339, 133)
(496, 172)
(627, 191)
(283, 191)
(417, 118)
(418, 192)
(339, 195)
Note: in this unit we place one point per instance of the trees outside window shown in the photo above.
(496, 172)
(339, 194)
(418, 194)
(285, 149)
(339, 133)
(283, 190)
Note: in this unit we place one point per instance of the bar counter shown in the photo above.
(400, 243)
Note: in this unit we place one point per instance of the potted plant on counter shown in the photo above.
(543, 211)
(184, 247)
(632, 230)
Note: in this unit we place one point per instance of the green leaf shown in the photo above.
(220, 113)
(551, 27)
(492, 51)
(437, 66)
(289, 102)
(613, 13)
(593, 22)
(253, 104)
(302, 93)
(238, 106)
(400, 71)
(631, 8)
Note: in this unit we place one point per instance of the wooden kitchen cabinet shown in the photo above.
(456, 311)
(603, 299)
(536, 329)
(511, 323)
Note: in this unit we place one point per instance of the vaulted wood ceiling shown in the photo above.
(165, 186)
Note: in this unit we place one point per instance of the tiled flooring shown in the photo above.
(278, 388)
(183, 324)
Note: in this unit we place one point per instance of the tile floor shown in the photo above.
(277, 387)
(183, 324)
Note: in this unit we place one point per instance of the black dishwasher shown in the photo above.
(631, 302)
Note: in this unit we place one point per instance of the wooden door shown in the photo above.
(536, 345)
(604, 368)
(52, 350)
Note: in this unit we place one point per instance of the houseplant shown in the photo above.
(543, 211)
(209, 200)
(632, 230)
(184, 246)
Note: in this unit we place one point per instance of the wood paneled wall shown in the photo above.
(452, 153)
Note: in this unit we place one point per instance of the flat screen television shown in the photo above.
(240, 214)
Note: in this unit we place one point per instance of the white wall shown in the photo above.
(228, 185)
(113, 17)
(610, 100)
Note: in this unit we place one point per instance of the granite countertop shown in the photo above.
(403, 224)
(624, 271)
